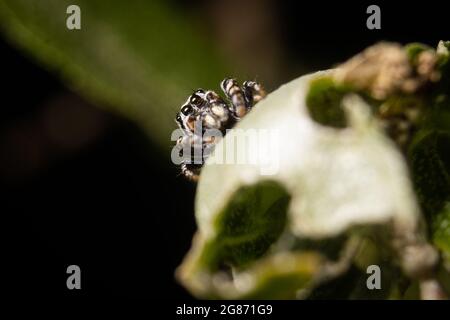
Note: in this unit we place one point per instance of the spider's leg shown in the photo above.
(217, 105)
(209, 120)
(236, 96)
(254, 92)
(219, 115)
(192, 161)
(209, 143)
(190, 171)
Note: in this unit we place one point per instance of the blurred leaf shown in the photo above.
(441, 232)
(251, 222)
(414, 49)
(140, 58)
(430, 170)
(429, 158)
(324, 102)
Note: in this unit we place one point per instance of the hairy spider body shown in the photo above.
(206, 110)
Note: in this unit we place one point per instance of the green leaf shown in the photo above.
(429, 161)
(441, 232)
(252, 221)
(429, 158)
(140, 58)
(324, 101)
(414, 49)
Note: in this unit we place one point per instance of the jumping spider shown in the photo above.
(207, 110)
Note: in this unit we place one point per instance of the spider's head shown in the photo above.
(186, 118)
(190, 110)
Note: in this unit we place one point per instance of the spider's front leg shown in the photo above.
(236, 96)
(199, 152)
(219, 110)
(190, 171)
(242, 100)
(254, 92)
(191, 150)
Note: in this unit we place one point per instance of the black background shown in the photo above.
(117, 207)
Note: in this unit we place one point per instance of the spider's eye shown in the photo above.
(178, 117)
(186, 110)
(200, 91)
(195, 100)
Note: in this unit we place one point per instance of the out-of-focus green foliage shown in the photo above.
(324, 102)
(140, 58)
(256, 219)
(429, 158)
